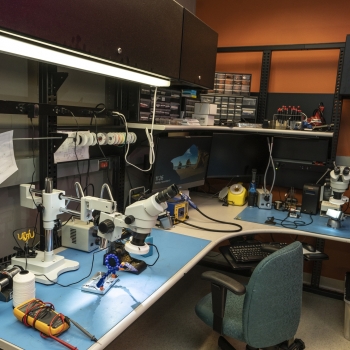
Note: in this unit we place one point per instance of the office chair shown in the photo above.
(265, 313)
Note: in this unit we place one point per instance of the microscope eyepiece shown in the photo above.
(167, 194)
(346, 170)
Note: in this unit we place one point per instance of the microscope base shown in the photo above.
(51, 269)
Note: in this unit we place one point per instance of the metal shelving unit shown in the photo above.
(336, 115)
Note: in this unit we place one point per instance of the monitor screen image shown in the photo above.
(182, 161)
(236, 155)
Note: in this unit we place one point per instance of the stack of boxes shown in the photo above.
(232, 109)
(232, 83)
(138, 101)
(205, 113)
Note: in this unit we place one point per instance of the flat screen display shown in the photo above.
(236, 155)
(182, 161)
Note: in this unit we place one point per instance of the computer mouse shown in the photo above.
(309, 247)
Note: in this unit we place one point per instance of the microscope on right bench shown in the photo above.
(339, 182)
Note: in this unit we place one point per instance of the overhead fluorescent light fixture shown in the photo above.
(17, 45)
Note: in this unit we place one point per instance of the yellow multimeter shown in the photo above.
(41, 316)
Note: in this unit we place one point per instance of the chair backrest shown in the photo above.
(272, 304)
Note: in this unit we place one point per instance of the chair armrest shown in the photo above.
(224, 281)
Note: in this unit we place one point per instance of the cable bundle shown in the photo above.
(23, 287)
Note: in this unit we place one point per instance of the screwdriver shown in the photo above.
(92, 337)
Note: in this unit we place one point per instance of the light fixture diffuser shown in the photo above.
(43, 52)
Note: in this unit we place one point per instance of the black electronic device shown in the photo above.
(182, 161)
(136, 266)
(6, 282)
(311, 198)
(236, 155)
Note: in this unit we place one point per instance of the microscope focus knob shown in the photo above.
(129, 219)
(106, 226)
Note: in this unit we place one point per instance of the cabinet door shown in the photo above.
(144, 34)
(198, 55)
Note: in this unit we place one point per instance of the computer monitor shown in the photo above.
(236, 155)
(182, 161)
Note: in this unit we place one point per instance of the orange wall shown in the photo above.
(275, 22)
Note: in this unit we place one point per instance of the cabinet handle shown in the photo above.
(199, 77)
(119, 50)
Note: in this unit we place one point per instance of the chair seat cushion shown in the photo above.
(232, 323)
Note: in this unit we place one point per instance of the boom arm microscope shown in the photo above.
(340, 177)
(140, 218)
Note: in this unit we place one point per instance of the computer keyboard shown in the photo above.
(250, 252)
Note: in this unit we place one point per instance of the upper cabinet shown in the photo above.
(198, 54)
(157, 36)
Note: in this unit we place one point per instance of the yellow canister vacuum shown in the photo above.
(237, 195)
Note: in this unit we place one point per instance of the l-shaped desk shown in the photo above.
(181, 248)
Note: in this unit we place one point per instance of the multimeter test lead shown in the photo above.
(92, 337)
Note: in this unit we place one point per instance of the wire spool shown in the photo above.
(94, 139)
(121, 138)
(23, 287)
(90, 139)
(129, 138)
(101, 138)
(117, 137)
(111, 138)
(84, 139)
(134, 137)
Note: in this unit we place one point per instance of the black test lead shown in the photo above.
(92, 337)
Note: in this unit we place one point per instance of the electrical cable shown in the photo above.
(212, 219)
(67, 285)
(149, 135)
(99, 146)
(157, 253)
(87, 178)
(270, 146)
(290, 224)
(75, 143)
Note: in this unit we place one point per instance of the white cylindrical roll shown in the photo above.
(116, 141)
(94, 139)
(102, 138)
(134, 137)
(84, 139)
(111, 138)
(90, 139)
(122, 138)
(23, 287)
